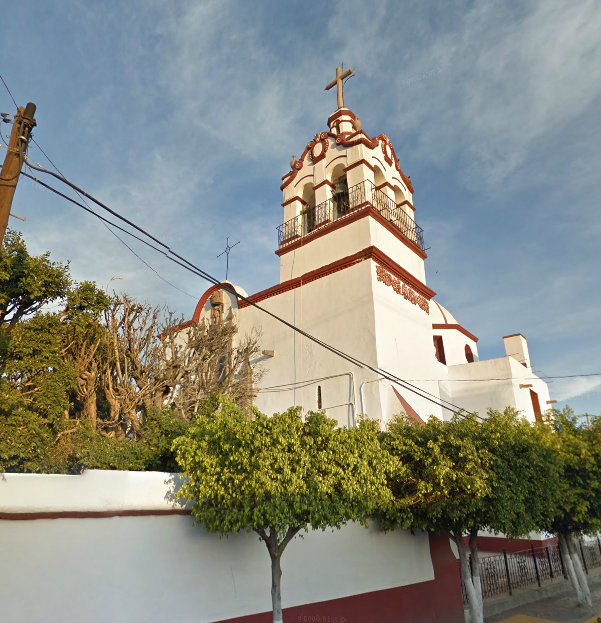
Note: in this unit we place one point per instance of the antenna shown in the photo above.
(227, 250)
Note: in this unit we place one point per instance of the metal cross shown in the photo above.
(227, 255)
(338, 83)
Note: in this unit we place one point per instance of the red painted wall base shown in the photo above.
(498, 544)
(436, 601)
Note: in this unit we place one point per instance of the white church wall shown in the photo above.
(397, 250)
(349, 239)
(495, 384)
(161, 569)
(404, 344)
(338, 310)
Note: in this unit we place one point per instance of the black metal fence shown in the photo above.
(505, 572)
(342, 205)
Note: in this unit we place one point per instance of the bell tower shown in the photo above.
(347, 195)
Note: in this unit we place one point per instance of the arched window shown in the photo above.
(340, 192)
(469, 355)
(381, 202)
(319, 404)
(308, 197)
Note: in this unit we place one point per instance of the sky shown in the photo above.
(183, 115)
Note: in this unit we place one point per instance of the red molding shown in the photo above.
(370, 253)
(91, 514)
(302, 178)
(355, 216)
(387, 184)
(398, 271)
(292, 199)
(357, 163)
(442, 312)
(323, 184)
(515, 335)
(499, 544)
(408, 203)
(348, 139)
(457, 327)
(341, 112)
(226, 286)
(384, 167)
(334, 159)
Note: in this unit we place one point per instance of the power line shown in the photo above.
(11, 95)
(181, 261)
(111, 231)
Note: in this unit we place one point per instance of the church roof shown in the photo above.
(441, 315)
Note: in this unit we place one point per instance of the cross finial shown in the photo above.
(338, 83)
(227, 250)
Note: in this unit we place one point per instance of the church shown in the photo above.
(353, 275)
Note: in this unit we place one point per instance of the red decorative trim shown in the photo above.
(357, 163)
(442, 312)
(514, 335)
(407, 408)
(91, 514)
(355, 216)
(334, 159)
(398, 271)
(370, 253)
(350, 139)
(341, 112)
(499, 544)
(292, 200)
(225, 286)
(324, 183)
(320, 139)
(435, 601)
(388, 185)
(458, 327)
(386, 149)
(402, 289)
(380, 162)
(302, 178)
(408, 203)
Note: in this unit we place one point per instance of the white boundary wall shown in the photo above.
(125, 569)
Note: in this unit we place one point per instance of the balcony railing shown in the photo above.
(342, 205)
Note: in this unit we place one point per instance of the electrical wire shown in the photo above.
(181, 261)
(11, 95)
(109, 229)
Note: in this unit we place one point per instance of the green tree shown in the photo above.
(578, 456)
(279, 475)
(27, 282)
(460, 476)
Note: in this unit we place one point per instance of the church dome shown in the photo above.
(440, 315)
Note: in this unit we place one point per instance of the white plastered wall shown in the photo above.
(495, 384)
(161, 569)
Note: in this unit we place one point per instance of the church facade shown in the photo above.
(352, 274)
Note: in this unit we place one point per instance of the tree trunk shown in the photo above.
(90, 408)
(567, 561)
(582, 580)
(472, 588)
(475, 567)
(276, 591)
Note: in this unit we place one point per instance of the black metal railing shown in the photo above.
(342, 205)
(505, 572)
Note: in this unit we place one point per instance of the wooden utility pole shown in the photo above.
(11, 169)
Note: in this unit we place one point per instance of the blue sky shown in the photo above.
(183, 115)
